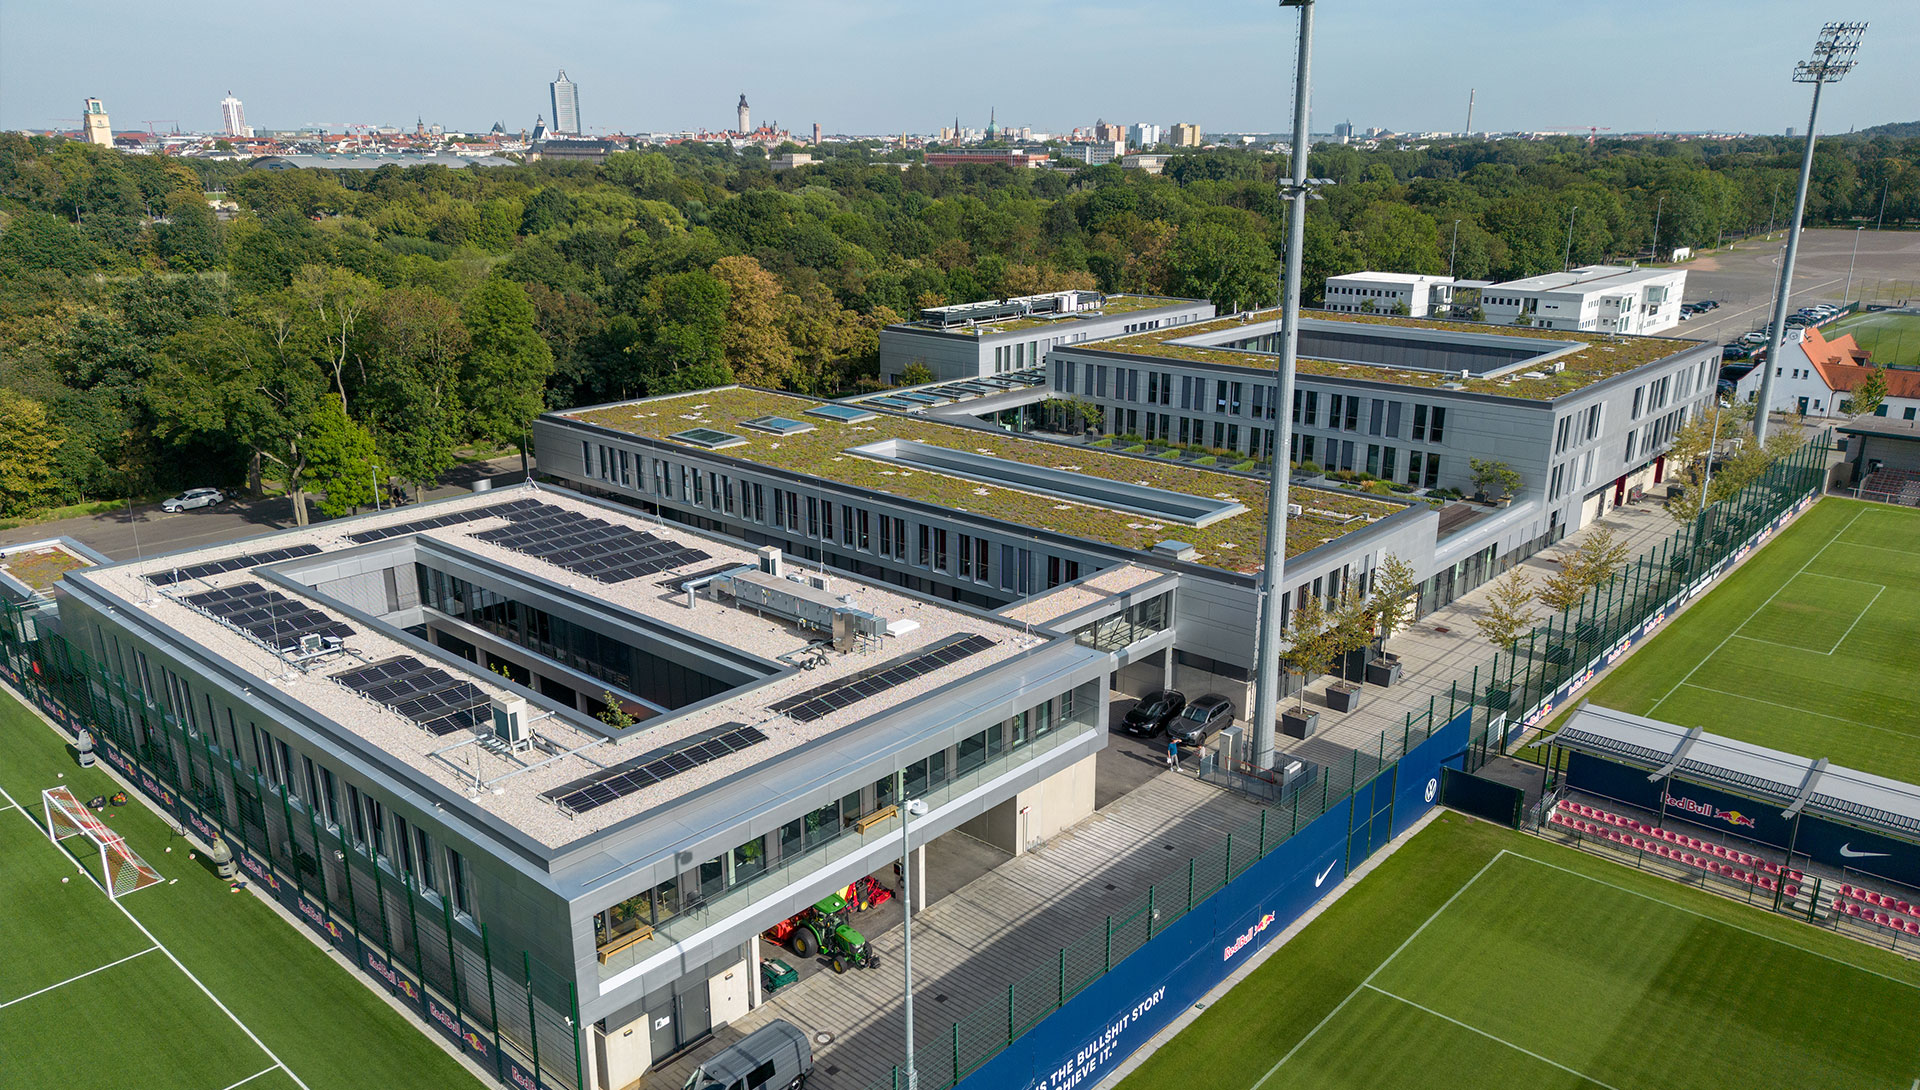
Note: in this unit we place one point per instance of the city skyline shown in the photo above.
(1218, 67)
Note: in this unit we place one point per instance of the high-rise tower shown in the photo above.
(233, 117)
(744, 126)
(95, 125)
(566, 104)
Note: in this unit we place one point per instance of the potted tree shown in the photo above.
(1394, 588)
(1349, 631)
(1506, 617)
(1493, 481)
(1309, 651)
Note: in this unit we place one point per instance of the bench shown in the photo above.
(619, 943)
(875, 818)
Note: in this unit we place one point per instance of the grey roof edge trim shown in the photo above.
(1807, 789)
(1679, 755)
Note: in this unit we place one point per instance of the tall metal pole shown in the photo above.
(1566, 259)
(1653, 253)
(1882, 217)
(1832, 58)
(1266, 686)
(907, 809)
(1454, 248)
(1847, 295)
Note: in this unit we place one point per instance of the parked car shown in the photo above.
(1154, 712)
(1754, 338)
(1707, 304)
(192, 498)
(1201, 720)
(1734, 352)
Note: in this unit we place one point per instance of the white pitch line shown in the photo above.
(1769, 643)
(77, 976)
(1801, 711)
(1497, 1040)
(1334, 1013)
(1756, 611)
(1857, 620)
(208, 992)
(257, 1074)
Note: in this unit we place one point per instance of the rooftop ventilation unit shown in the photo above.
(772, 561)
(803, 603)
(510, 722)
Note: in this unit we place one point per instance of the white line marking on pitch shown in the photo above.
(1857, 620)
(1756, 610)
(1491, 1037)
(1801, 711)
(77, 976)
(208, 992)
(257, 1074)
(1332, 1014)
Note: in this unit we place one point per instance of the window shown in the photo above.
(458, 883)
(866, 540)
(1353, 414)
(1433, 471)
(1560, 433)
(982, 553)
(940, 550)
(1419, 422)
(1593, 423)
(886, 536)
(1437, 425)
(424, 853)
(1639, 394)
(1630, 436)
(965, 550)
(926, 546)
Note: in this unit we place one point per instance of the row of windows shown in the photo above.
(1577, 428)
(816, 829)
(1227, 397)
(308, 785)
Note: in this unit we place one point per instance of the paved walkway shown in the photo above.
(970, 945)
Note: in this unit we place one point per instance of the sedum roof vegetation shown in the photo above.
(1234, 544)
(1605, 354)
(40, 568)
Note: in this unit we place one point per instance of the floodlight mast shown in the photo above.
(1266, 686)
(1832, 59)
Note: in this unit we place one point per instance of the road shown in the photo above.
(1743, 279)
(149, 531)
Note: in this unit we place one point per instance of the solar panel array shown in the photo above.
(425, 694)
(649, 770)
(589, 546)
(232, 563)
(267, 615)
(824, 700)
(516, 509)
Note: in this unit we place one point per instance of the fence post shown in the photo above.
(1009, 1016)
(1189, 883)
(1227, 872)
(1109, 948)
(1152, 913)
(533, 1023)
(493, 1007)
(293, 842)
(453, 962)
(1062, 1001)
(346, 863)
(1263, 846)
(413, 925)
(956, 1054)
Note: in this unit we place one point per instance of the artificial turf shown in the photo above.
(1808, 647)
(1892, 337)
(1476, 956)
(144, 1022)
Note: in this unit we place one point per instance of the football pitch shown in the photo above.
(1892, 336)
(1807, 648)
(1476, 956)
(180, 985)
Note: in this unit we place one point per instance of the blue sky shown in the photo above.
(870, 66)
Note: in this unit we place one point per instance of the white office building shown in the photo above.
(1591, 298)
(1141, 134)
(233, 117)
(1388, 293)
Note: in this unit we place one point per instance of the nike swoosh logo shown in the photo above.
(1849, 853)
(1335, 863)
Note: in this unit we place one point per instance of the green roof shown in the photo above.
(1603, 356)
(1235, 543)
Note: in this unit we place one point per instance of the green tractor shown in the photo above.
(823, 929)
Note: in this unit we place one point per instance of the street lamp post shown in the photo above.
(1453, 249)
(909, 809)
(1654, 254)
(376, 488)
(1847, 296)
(1832, 59)
(1566, 259)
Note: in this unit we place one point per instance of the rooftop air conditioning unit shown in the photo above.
(771, 561)
(510, 721)
(312, 643)
(1293, 510)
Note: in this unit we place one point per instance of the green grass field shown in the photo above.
(191, 986)
(1480, 957)
(1894, 339)
(1807, 648)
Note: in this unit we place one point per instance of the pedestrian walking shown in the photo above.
(1173, 754)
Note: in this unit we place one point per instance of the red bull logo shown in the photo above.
(475, 1042)
(1708, 810)
(1240, 943)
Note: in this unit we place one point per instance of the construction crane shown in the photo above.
(175, 122)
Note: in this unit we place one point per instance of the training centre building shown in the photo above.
(971, 341)
(564, 731)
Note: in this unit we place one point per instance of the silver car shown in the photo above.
(192, 498)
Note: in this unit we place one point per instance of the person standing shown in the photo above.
(1173, 754)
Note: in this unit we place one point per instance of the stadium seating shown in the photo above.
(1618, 829)
(1863, 904)
(1902, 485)
(1718, 851)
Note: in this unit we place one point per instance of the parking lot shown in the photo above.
(1743, 279)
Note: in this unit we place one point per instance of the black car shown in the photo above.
(1201, 720)
(1154, 712)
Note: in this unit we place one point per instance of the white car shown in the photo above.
(192, 498)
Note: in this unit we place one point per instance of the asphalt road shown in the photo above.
(1743, 279)
(149, 531)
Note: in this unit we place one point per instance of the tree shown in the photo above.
(1582, 568)
(335, 299)
(1494, 477)
(506, 371)
(1871, 392)
(1231, 267)
(415, 342)
(1394, 591)
(27, 450)
(1508, 614)
(615, 714)
(1351, 627)
(916, 374)
(1310, 643)
(752, 339)
(340, 459)
(685, 319)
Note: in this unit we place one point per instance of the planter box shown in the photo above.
(1498, 699)
(1586, 632)
(1343, 699)
(1383, 672)
(1559, 654)
(1299, 725)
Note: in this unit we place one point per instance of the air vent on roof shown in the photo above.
(778, 425)
(846, 414)
(708, 438)
(1176, 550)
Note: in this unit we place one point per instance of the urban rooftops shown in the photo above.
(1507, 361)
(1140, 501)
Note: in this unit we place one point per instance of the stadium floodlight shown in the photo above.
(1832, 59)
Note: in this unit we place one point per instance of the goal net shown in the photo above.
(123, 870)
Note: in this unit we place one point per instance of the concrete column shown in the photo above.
(754, 998)
(919, 879)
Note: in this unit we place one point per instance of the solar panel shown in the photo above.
(232, 563)
(455, 518)
(589, 546)
(428, 695)
(268, 615)
(824, 700)
(650, 768)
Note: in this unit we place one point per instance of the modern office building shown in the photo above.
(233, 117)
(565, 95)
(617, 743)
(1144, 134)
(94, 124)
(998, 337)
(1590, 298)
(1185, 134)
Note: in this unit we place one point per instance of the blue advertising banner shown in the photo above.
(477, 1043)
(441, 1016)
(1417, 786)
(516, 1075)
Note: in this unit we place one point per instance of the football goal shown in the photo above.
(122, 870)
